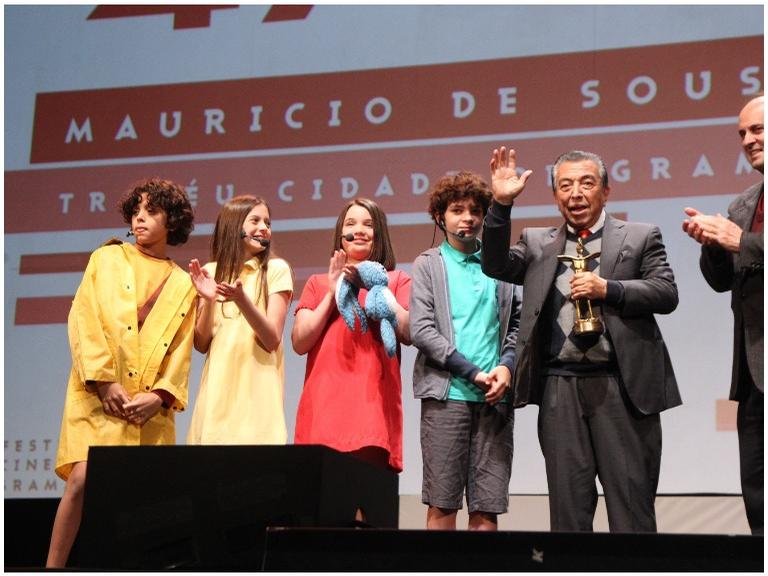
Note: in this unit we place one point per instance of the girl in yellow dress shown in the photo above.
(243, 299)
(130, 332)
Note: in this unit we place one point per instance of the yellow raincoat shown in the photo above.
(106, 346)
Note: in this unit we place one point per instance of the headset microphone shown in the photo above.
(348, 237)
(460, 234)
(129, 234)
(265, 242)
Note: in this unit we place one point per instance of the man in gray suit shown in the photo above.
(732, 259)
(599, 395)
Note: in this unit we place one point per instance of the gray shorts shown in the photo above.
(466, 444)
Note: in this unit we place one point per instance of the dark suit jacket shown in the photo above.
(632, 254)
(742, 274)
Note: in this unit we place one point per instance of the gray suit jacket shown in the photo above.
(633, 255)
(742, 274)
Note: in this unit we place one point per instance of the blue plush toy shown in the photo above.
(379, 303)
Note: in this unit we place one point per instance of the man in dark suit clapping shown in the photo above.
(732, 259)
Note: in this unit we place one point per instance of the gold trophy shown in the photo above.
(581, 325)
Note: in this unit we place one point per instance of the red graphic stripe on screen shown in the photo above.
(43, 310)
(198, 16)
(283, 12)
(307, 251)
(301, 248)
(725, 415)
(53, 263)
(652, 165)
(698, 80)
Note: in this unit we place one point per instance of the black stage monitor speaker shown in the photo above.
(207, 507)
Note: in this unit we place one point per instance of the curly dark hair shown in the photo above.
(454, 187)
(163, 195)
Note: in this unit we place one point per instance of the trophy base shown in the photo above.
(588, 326)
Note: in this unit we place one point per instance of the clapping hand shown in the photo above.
(202, 280)
(231, 292)
(336, 269)
(712, 230)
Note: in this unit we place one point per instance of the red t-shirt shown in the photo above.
(352, 394)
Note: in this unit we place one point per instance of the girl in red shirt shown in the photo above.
(352, 398)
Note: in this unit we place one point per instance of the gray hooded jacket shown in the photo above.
(432, 329)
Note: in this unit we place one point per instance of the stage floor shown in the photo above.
(675, 514)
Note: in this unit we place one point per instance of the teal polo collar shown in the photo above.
(457, 256)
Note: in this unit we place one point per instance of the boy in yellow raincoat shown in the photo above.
(130, 331)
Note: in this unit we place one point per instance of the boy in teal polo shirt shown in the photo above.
(465, 327)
